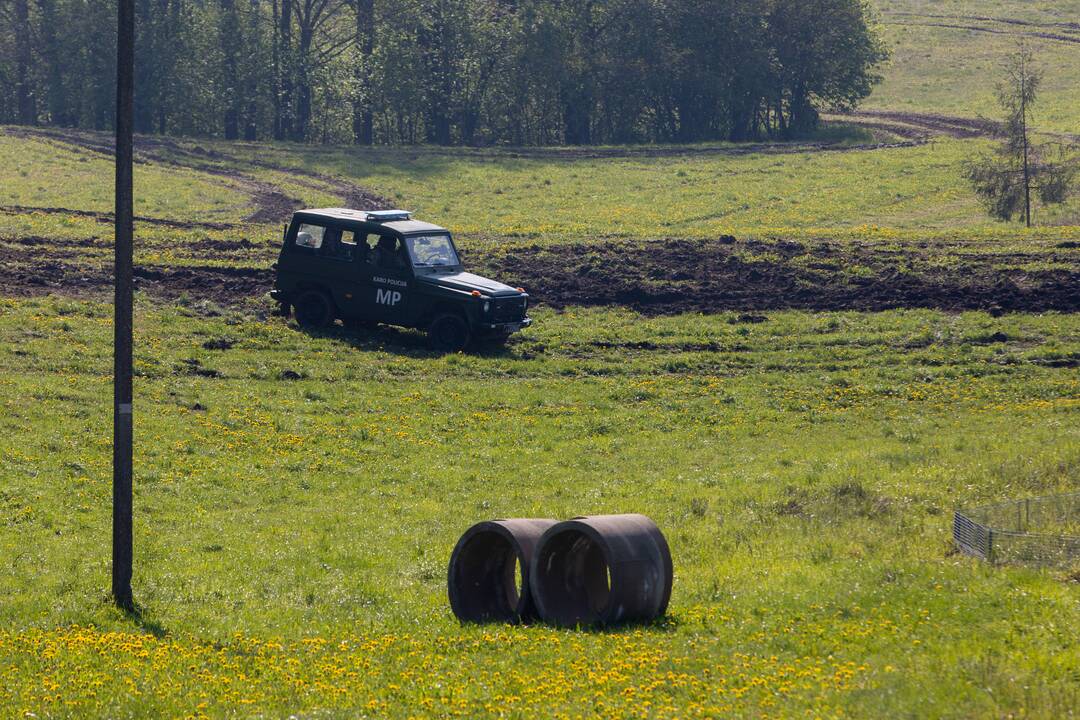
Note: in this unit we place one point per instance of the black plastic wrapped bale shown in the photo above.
(602, 570)
(488, 579)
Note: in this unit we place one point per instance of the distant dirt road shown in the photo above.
(1067, 32)
(921, 126)
(270, 204)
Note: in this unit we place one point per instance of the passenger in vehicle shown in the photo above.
(363, 250)
(331, 244)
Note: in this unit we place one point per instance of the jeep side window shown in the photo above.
(310, 236)
(350, 246)
(335, 246)
(389, 254)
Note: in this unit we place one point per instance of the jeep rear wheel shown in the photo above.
(314, 309)
(449, 333)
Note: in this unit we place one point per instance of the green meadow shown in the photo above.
(292, 534)
(947, 56)
(297, 495)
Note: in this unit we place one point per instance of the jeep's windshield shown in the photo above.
(432, 251)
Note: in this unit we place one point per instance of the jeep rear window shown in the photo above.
(310, 236)
(432, 251)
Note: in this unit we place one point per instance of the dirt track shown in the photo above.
(922, 126)
(270, 204)
(1068, 32)
(660, 277)
(665, 276)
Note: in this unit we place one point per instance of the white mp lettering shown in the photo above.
(387, 297)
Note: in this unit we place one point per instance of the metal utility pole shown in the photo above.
(122, 321)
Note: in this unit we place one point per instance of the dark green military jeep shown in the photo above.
(367, 267)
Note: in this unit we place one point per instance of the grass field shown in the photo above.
(293, 535)
(918, 191)
(947, 56)
(298, 495)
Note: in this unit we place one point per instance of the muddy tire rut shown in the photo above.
(658, 277)
(676, 275)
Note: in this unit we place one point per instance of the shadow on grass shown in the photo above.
(135, 615)
(664, 625)
(403, 342)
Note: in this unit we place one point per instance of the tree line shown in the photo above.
(469, 72)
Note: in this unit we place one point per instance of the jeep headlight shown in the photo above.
(487, 306)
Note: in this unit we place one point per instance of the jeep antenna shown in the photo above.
(122, 332)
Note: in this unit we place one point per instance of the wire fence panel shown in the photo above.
(1036, 531)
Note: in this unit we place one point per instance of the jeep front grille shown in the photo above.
(508, 309)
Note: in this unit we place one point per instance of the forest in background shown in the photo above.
(445, 72)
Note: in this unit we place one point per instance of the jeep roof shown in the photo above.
(399, 221)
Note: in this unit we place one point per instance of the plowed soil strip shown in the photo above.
(693, 276)
(659, 277)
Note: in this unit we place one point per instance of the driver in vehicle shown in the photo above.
(386, 255)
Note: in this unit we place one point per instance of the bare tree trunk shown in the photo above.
(151, 74)
(307, 18)
(439, 93)
(283, 124)
(24, 90)
(363, 117)
(251, 89)
(577, 118)
(1024, 131)
(55, 99)
(303, 85)
(230, 38)
(275, 68)
(175, 10)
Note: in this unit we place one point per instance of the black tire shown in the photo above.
(314, 309)
(449, 332)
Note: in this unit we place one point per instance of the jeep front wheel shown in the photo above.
(449, 333)
(314, 309)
